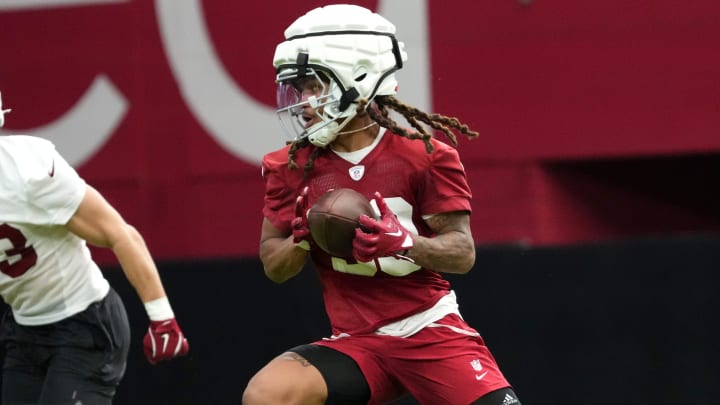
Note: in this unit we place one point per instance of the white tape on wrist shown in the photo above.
(159, 309)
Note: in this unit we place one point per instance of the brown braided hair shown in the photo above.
(380, 113)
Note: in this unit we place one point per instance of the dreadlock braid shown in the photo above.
(384, 119)
(297, 145)
(311, 161)
(414, 117)
(294, 146)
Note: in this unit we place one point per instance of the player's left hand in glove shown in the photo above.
(164, 340)
(299, 224)
(386, 237)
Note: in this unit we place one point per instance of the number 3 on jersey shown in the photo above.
(15, 257)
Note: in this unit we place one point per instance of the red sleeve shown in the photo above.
(280, 197)
(446, 188)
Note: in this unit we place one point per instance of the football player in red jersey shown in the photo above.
(66, 336)
(396, 327)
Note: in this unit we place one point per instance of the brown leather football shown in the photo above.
(333, 218)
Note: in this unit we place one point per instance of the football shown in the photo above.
(333, 218)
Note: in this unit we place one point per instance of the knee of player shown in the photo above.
(267, 388)
(262, 391)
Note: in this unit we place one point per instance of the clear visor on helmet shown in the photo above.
(300, 102)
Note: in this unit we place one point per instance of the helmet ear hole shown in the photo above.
(360, 73)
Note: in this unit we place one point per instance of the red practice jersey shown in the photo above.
(361, 297)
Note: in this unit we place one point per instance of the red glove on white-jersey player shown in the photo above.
(164, 340)
(387, 237)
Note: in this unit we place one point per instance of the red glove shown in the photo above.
(375, 239)
(164, 340)
(299, 224)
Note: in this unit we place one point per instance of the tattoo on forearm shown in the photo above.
(451, 249)
(439, 221)
(451, 221)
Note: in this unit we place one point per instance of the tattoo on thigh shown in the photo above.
(296, 357)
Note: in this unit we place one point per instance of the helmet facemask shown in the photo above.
(302, 87)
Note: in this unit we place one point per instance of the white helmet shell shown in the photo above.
(354, 47)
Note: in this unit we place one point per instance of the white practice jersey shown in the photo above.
(46, 272)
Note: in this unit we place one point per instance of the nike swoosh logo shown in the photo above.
(165, 337)
(396, 233)
(52, 169)
(480, 376)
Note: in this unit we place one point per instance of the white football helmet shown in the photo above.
(356, 53)
(2, 112)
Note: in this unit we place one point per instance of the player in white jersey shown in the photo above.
(66, 335)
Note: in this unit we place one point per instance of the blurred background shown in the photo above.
(595, 210)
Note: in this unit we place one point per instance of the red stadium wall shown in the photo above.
(598, 120)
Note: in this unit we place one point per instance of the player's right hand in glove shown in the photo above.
(387, 237)
(164, 340)
(299, 224)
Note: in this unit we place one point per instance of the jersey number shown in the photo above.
(19, 258)
(389, 265)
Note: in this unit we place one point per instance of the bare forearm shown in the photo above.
(138, 266)
(281, 258)
(101, 225)
(452, 252)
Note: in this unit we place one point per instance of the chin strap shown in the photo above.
(357, 130)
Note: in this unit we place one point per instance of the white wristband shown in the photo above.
(159, 309)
